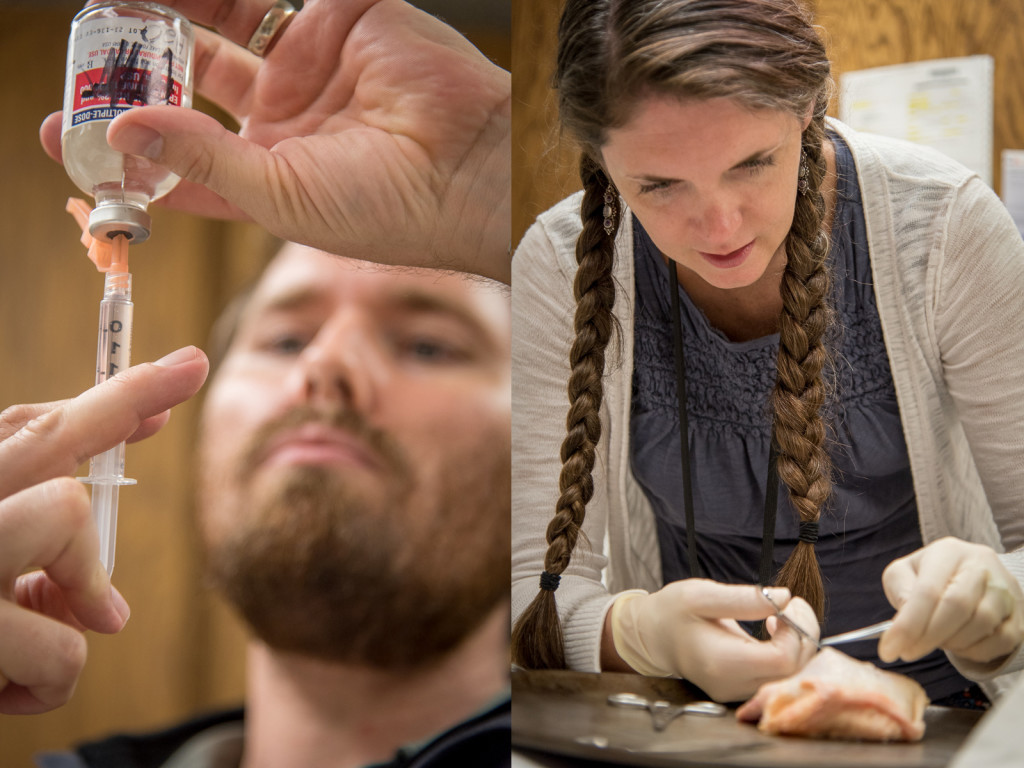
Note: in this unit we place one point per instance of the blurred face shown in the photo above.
(714, 184)
(355, 460)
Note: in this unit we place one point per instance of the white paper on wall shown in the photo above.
(943, 103)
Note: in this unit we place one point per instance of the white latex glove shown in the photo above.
(956, 596)
(689, 629)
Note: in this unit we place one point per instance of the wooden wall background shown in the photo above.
(860, 34)
(181, 652)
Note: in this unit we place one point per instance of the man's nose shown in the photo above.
(340, 366)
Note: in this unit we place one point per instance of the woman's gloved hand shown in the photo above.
(689, 629)
(956, 596)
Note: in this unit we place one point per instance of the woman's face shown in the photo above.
(713, 183)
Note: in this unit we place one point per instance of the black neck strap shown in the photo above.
(771, 497)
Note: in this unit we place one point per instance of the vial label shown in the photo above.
(123, 63)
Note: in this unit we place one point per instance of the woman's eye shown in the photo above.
(654, 186)
(759, 163)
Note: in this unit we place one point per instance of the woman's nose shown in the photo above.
(717, 221)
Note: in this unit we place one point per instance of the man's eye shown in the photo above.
(284, 345)
(431, 350)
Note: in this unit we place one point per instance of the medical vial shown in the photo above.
(121, 55)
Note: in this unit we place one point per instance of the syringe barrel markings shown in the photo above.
(113, 354)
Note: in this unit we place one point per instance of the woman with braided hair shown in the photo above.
(746, 292)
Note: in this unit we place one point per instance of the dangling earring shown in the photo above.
(609, 212)
(801, 183)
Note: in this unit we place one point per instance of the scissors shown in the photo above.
(663, 712)
(865, 633)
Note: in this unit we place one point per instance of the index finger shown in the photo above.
(17, 416)
(743, 602)
(58, 441)
(237, 20)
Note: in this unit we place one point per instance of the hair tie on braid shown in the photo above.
(808, 532)
(549, 581)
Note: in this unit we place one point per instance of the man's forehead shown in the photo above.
(299, 272)
(296, 268)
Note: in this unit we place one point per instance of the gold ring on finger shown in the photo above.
(271, 27)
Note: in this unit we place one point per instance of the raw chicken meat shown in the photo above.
(838, 697)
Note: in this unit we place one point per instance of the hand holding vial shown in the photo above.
(389, 105)
(121, 56)
(46, 524)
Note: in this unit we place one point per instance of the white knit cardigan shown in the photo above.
(948, 266)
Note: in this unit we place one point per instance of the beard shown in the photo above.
(321, 566)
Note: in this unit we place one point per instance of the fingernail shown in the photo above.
(138, 140)
(177, 357)
(120, 605)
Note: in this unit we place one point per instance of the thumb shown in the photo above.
(898, 579)
(196, 147)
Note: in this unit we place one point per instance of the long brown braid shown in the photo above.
(804, 464)
(595, 293)
(764, 54)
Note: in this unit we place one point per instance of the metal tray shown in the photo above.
(566, 713)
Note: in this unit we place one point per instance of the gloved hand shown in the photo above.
(689, 629)
(956, 596)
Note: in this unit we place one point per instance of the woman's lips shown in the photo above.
(728, 260)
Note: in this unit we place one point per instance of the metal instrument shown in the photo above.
(664, 712)
(865, 633)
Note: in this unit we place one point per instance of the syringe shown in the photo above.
(113, 354)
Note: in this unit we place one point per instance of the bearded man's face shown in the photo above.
(355, 460)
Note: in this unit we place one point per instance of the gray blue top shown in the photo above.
(872, 517)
